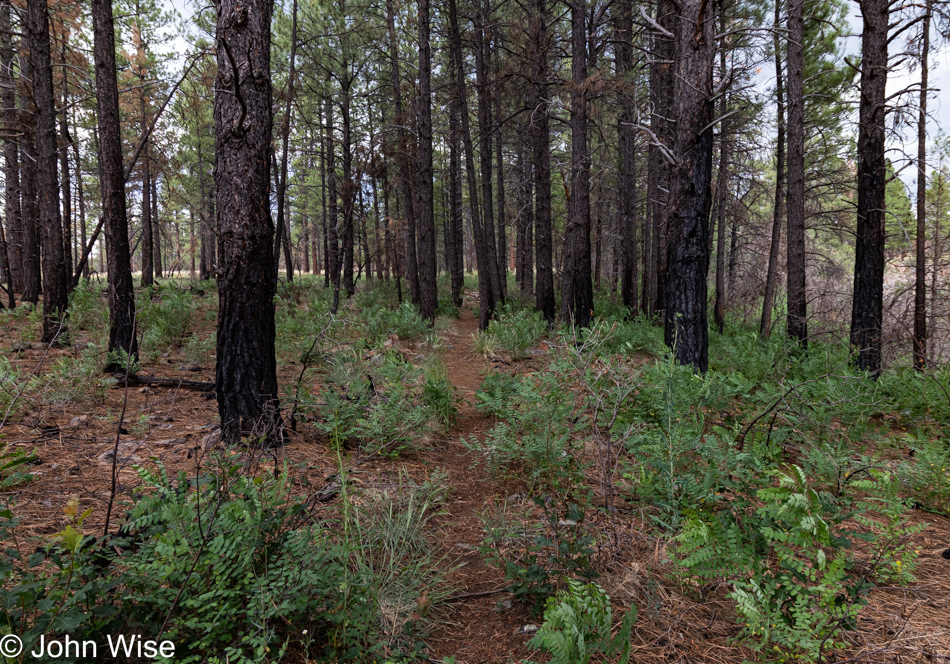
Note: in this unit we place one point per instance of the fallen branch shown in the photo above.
(135, 379)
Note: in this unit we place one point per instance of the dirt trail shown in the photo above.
(477, 630)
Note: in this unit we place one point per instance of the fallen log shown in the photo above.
(178, 383)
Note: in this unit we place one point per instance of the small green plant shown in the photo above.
(795, 584)
(539, 557)
(927, 476)
(440, 396)
(578, 625)
(485, 345)
(200, 351)
(516, 332)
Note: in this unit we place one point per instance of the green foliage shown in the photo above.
(927, 475)
(88, 309)
(784, 549)
(403, 321)
(439, 395)
(539, 557)
(378, 400)
(534, 438)
(223, 563)
(74, 379)
(516, 332)
(200, 351)
(577, 626)
(163, 317)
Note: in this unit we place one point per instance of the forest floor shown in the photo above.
(481, 623)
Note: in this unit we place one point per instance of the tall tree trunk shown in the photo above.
(867, 309)
(481, 46)
(771, 276)
(722, 195)
(333, 245)
(577, 290)
(541, 166)
(122, 335)
(497, 92)
(402, 158)
(797, 298)
(246, 374)
(453, 225)
(687, 263)
(156, 230)
(658, 178)
(428, 291)
(11, 164)
(29, 219)
(64, 165)
(56, 271)
(920, 286)
(148, 251)
(485, 291)
(81, 195)
(285, 150)
(627, 178)
(349, 191)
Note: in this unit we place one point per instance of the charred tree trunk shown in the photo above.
(687, 263)
(428, 290)
(453, 226)
(246, 374)
(122, 334)
(771, 276)
(577, 289)
(627, 178)
(156, 230)
(920, 286)
(29, 219)
(349, 193)
(502, 251)
(56, 272)
(11, 164)
(541, 164)
(868, 304)
(797, 299)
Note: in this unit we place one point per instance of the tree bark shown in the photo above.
(428, 290)
(29, 219)
(156, 230)
(577, 289)
(453, 226)
(920, 264)
(11, 165)
(627, 178)
(797, 315)
(333, 245)
(122, 334)
(771, 276)
(246, 374)
(64, 165)
(686, 330)
(56, 272)
(868, 304)
(485, 134)
(541, 166)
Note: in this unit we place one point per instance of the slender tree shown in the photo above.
(920, 264)
(122, 335)
(428, 290)
(541, 160)
(55, 268)
(775, 243)
(797, 323)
